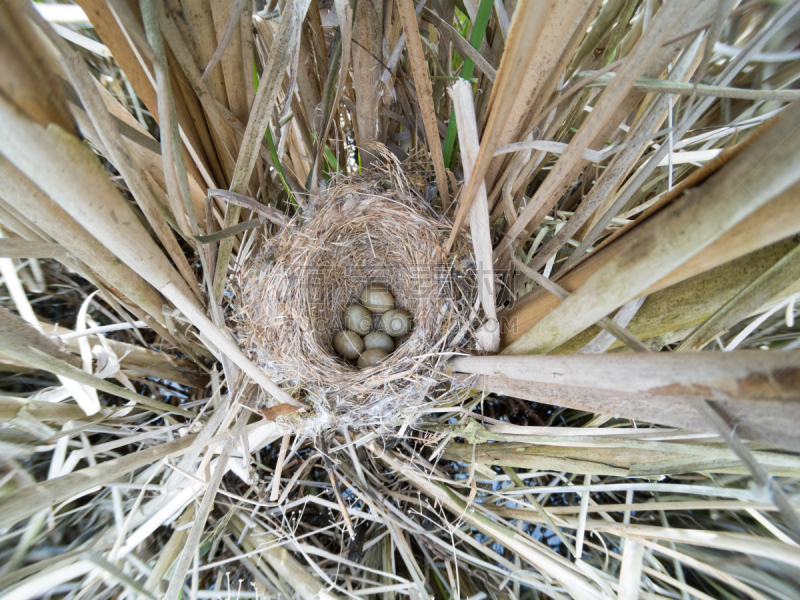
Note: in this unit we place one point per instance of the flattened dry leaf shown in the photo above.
(273, 412)
(367, 32)
(424, 94)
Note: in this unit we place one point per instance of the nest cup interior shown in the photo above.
(365, 250)
(348, 268)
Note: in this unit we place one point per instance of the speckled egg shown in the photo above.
(358, 319)
(377, 298)
(348, 344)
(378, 339)
(396, 323)
(370, 358)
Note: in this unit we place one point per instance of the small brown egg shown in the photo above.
(358, 319)
(377, 298)
(348, 344)
(372, 357)
(378, 339)
(396, 323)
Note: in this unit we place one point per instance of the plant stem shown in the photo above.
(478, 31)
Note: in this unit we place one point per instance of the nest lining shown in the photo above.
(292, 294)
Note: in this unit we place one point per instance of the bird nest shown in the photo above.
(368, 229)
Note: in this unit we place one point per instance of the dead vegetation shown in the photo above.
(603, 396)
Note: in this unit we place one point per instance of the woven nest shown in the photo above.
(372, 228)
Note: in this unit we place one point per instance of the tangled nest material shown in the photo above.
(370, 228)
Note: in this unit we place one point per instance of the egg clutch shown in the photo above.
(357, 341)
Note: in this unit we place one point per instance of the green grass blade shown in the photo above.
(478, 31)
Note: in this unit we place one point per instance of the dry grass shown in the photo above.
(594, 176)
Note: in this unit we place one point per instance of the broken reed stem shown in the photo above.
(276, 478)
